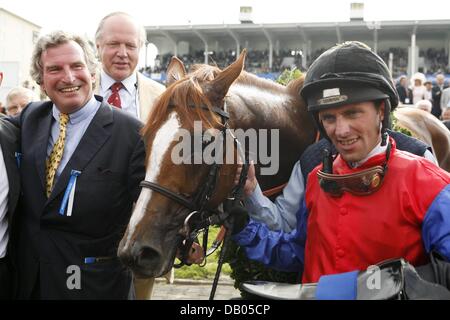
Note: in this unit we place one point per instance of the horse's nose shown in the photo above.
(140, 255)
(148, 257)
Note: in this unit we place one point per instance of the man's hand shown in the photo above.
(251, 182)
(195, 256)
(239, 219)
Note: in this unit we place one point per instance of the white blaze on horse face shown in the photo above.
(160, 146)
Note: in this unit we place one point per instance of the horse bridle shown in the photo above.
(201, 217)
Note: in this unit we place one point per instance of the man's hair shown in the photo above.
(141, 31)
(19, 91)
(53, 40)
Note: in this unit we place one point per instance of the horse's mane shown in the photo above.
(184, 93)
(187, 92)
(294, 86)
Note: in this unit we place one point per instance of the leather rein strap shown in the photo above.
(200, 217)
(168, 193)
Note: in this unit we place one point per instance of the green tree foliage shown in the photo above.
(288, 75)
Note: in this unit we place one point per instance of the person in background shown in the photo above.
(418, 90)
(403, 90)
(446, 117)
(428, 93)
(119, 39)
(437, 94)
(17, 99)
(445, 99)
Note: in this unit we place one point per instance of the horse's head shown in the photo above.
(178, 177)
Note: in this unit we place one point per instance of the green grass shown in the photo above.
(209, 270)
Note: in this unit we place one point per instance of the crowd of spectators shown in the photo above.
(432, 60)
(422, 95)
(257, 61)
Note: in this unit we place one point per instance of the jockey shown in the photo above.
(370, 202)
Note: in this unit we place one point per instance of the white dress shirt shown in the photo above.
(76, 127)
(128, 94)
(4, 190)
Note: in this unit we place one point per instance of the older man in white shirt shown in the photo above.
(119, 40)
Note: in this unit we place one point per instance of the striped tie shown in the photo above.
(57, 152)
(114, 98)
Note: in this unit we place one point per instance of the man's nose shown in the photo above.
(342, 127)
(68, 75)
(122, 50)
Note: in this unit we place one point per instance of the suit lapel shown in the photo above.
(145, 99)
(43, 134)
(97, 133)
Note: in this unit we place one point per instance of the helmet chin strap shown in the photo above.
(385, 122)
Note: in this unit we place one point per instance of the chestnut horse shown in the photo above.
(152, 238)
(424, 126)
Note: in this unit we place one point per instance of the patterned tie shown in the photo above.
(114, 98)
(57, 152)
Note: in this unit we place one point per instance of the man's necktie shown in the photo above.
(114, 98)
(57, 152)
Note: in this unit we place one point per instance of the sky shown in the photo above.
(82, 16)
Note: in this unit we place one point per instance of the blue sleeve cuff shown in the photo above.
(436, 225)
(255, 199)
(341, 286)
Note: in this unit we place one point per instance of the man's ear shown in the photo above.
(42, 88)
(1, 78)
(381, 110)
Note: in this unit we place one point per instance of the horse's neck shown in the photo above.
(250, 100)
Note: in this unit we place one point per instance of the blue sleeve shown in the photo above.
(436, 225)
(279, 250)
(281, 214)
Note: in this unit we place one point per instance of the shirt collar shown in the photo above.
(79, 115)
(129, 83)
(377, 150)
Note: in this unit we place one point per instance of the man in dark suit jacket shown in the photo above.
(68, 240)
(437, 93)
(9, 195)
(404, 93)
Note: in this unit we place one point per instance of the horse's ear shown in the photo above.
(225, 78)
(175, 71)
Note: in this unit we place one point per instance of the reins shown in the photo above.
(201, 217)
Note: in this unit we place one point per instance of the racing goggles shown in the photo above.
(361, 183)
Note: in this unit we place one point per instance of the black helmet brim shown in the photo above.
(332, 94)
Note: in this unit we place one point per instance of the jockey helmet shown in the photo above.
(345, 74)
